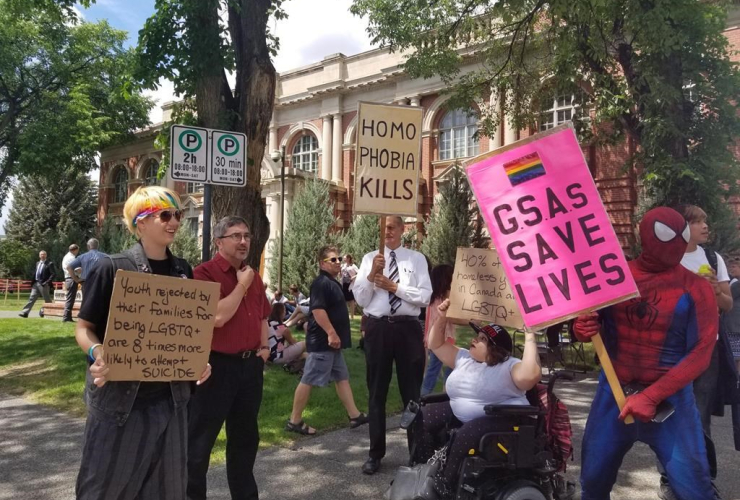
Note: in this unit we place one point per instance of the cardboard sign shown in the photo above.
(480, 289)
(387, 159)
(547, 222)
(159, 327)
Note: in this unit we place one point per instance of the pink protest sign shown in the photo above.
(552, 233)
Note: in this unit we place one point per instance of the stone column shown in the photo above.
(272, 144)
(497, 140)
(326, 150)
(336, 150)
(509, 131)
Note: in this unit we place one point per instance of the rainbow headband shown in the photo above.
(163, 203)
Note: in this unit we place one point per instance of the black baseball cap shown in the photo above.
(498, 335)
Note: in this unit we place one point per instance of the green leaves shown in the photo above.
(61, 89)
(655, 72)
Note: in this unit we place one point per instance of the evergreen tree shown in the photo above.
(361, 237)
(51, 212)
(186, 246)
(450, 224)
(306, 231)
(114, 238)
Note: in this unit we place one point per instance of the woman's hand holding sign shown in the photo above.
(205, 375)
(99, 369)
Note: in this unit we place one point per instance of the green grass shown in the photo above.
(40, 359)
(14, 304)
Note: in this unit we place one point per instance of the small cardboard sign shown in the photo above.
(387, 159)
(546, 218)
(159, 327)
(480, 289)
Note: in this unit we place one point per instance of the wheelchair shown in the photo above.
(519, 463)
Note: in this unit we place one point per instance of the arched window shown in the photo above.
(194, 187)
(456, 135)
(559, 109)
(150, 173)
(306, 154)
(120, 185)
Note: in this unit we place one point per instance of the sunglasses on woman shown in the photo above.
(166, 215)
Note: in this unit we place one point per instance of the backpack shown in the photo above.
(728, 391)
(557, 427)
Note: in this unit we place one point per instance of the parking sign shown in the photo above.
(228, 158)
(188, 153)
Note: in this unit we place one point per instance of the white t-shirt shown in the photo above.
(694, 260)
(65, 262)
(473, 385)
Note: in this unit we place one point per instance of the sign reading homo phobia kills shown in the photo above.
(387, 159)
(480, 289)
(546, 219)
(159, 327)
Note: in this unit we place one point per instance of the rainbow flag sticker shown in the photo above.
(524, 169)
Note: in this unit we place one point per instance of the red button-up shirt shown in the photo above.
(244, 330)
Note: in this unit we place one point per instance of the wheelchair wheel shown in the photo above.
(522, 491)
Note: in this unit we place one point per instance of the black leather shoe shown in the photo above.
(23, 315)
(41, 313)
(371, 466)
(68, 320)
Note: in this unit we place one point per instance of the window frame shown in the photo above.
(120, 189)
(146, 177)
(306, 158)
(456, 138)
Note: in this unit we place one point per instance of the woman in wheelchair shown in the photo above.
(483, 375)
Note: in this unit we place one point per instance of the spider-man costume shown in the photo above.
(662, 340)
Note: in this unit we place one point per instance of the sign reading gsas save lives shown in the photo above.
(207, 155)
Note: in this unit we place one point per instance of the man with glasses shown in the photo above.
(392, 288)
(328, 333)
(239, 351)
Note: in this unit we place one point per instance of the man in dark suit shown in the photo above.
(43, 275)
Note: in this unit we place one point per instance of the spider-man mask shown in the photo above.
(665, 235)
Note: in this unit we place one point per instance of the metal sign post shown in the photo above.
(209, 156)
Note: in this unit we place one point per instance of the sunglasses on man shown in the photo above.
(333, 260)
(167, 215)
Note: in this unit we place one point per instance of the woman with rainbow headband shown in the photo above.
(135, 443)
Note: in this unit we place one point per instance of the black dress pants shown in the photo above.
(388, 342)
(232, 394)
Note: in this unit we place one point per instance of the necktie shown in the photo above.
(394, 301)
(38, 271)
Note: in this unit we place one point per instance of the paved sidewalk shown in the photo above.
(40, 450)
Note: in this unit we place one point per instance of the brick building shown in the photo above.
(314, 120)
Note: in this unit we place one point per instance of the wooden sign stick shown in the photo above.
(381, 250)
(611, 375)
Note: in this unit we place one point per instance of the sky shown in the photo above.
(314, 29)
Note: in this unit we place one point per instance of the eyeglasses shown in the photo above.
(238, 237)
(166, 215)
(333, 260)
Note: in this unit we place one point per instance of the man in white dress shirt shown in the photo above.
(391, 288)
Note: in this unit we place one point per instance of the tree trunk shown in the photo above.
(254, 97)
(248, 109)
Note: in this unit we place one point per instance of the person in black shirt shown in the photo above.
(328, 333)
(135, 435)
